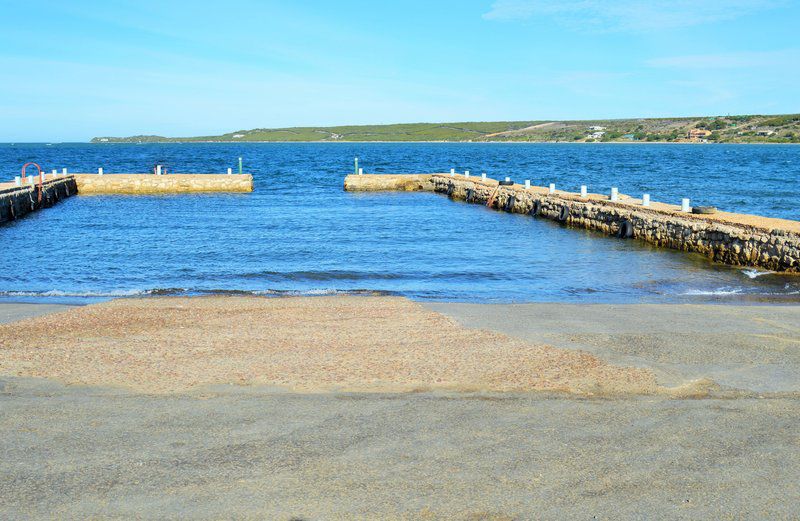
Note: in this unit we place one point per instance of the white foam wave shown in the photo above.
(59, 293)
(754, 273)
(698, 292)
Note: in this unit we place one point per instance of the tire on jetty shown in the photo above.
(563, 214)
(625, 229)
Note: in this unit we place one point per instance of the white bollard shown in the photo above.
(552, 188)
(685, 205)
(614, 194)
(527, 183)
(99, 171)
(584, 192)
(158, 169)
(30, 179)
(230, 171)
(63, 171)
(452, 171)
(55, 173)
(466, 173)
(18, 181)
(483, 176)
(360, 171)
(646, 200)
(508, 179)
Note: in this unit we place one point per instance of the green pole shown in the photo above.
(240, 165)
(356, 169)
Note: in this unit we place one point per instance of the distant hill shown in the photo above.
(722, 129)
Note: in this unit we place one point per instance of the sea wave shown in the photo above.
(714, 292)
(788, 291)
(754, 273)
(88, 294)
(158, 292)
(349, 275)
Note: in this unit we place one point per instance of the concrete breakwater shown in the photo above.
(17, 201)
(735, 239)
(386, 182)
(162, 184)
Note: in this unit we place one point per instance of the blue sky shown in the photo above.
(71, 70)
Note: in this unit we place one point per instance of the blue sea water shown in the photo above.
(299, 232)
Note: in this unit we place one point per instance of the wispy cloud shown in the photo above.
(731, 60)
(712, 91)
(627, 15)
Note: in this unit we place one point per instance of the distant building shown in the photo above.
(698, 133)
(596, 128)
(237, 136)
(629, 137)
(764, 132)
(596, 135)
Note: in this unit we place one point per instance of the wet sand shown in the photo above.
(752, 348)
(11, 312)
(250, 453)
(256, 451)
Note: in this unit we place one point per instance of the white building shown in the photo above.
(595, 128)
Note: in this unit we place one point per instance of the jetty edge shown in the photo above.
(729, 238)
(18, 201)
(21, 197)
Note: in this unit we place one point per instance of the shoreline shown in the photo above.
(733, 300)
(426, 142)
(9, 143)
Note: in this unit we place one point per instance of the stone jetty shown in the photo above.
(18, 201)
(34, 193)
(729, 238)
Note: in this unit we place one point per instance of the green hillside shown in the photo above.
(722, 129)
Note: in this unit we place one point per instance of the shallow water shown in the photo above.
(299, 232)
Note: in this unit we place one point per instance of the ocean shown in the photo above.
(300, 233)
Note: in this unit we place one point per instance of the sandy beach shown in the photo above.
(342, 343)
(135, 416)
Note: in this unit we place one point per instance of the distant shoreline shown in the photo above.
(433, 142)
(637, 143)
(780, 128)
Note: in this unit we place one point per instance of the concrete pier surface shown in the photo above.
(89, 184)
(241, 448)
(729, 238)
(389, 182)
(109, 183)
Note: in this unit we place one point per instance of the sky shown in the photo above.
(72, 70)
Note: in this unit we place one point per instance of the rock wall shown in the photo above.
(389, 182)
(162, 184)
(17, 202)
(726, 238)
